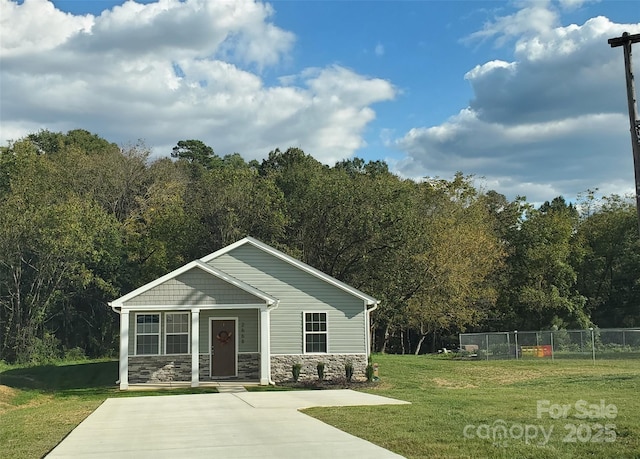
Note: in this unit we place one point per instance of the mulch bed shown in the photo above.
(336, 383)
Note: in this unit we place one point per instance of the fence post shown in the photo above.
(508, 344)
(487, 336)
(593, 346)
(551, 337)
(515, 333)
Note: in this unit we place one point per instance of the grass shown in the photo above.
(447, 395)
(39, 406)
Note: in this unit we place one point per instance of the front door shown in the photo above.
(223, 347)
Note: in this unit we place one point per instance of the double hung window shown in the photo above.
(147, 334)
(176, 333)
(315, 332)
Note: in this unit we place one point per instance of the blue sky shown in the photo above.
(526, 95)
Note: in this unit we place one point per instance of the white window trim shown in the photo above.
(305, 333)
(135, 327)
(188, 333)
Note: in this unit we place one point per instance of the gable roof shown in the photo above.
(189, 266)
(294, 262)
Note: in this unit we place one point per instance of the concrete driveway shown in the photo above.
(226, 425)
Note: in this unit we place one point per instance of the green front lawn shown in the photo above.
(40, 405)
(452, 397)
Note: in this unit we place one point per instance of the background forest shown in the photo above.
(83, 221)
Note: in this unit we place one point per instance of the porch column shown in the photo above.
(195, 347)
(124, 350)
(265, 352)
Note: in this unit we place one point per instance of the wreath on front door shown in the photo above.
(224, 336)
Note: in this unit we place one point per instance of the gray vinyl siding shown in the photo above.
(248, 328)
(297, 291)
(192, 288)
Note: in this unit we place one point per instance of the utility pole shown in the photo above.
(626, 41)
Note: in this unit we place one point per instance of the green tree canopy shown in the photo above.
(83, 220)
(196, 152)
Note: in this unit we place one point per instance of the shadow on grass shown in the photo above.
(81, 379)
(99, 376)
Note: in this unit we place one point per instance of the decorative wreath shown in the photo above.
(224, 336)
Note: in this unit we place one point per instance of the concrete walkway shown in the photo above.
(228, 425)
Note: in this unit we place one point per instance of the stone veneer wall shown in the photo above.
(333, 366)
(205, 367)
(166, 368)
(159, 368)
(249, 366)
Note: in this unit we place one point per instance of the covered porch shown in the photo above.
(194, 324)
(225, 343)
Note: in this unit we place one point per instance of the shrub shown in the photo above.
(348, 370)
(75, 354)
(369, 372)
(41, 351)
(320, 368)
(295, 369)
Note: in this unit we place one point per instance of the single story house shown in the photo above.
(247, 312)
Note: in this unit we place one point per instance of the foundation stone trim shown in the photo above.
(159, 368)
(281, 366)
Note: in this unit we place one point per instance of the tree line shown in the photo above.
(84, 221)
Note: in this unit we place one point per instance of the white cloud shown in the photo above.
(172, 70)
(489, 68)
(574, 4)
(238, 31)
(36, 26)
(553, 121)
(535, 18)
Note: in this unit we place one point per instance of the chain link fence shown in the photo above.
(609, 343)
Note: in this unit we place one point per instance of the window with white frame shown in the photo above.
(176, 331)
(315, 332)
(147, 334)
